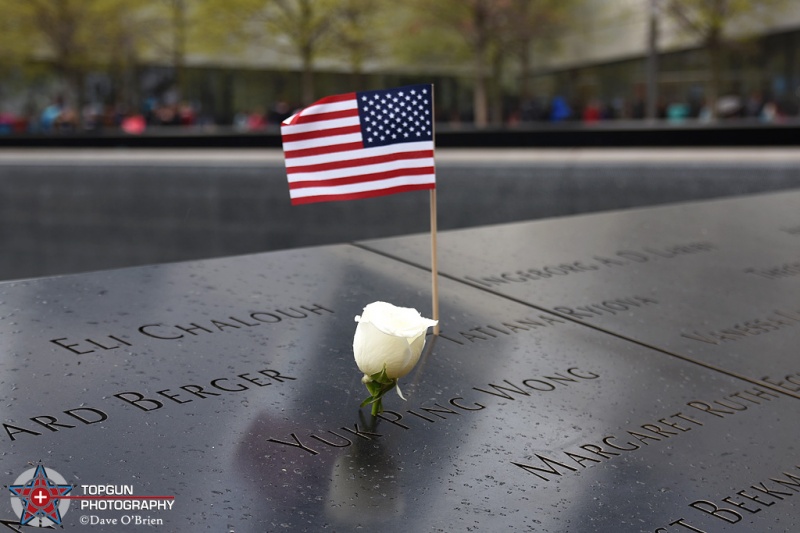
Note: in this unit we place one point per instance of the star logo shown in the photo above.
(39, 496)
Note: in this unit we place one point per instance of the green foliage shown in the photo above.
(301, 29)
(358, 31)
(76, 34)
(484, 37)
(433, 33)
(709, 19)
(491, 40)
(14, 43)
(73, 37)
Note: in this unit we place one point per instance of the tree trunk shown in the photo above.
(496, 110)
(525, 70)
(481, 45)
(357, 79)
(481, 114)
(307, 80)
(651, 102)
(178, 43)
(78, 79)
(714, 50)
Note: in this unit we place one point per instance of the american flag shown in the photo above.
(360, 145)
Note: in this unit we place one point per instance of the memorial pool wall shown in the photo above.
(76, 210)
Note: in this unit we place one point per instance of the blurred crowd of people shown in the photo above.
(61, 118)
(559, 109)
(259, 120)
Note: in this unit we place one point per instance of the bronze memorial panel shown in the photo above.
(717, 282)
(222, 395)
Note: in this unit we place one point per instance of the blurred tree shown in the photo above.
(359, 26)
(455, 32)
(529, 23)
(178, 27)
(14, 48)
(307, 25)
(74, 35)
(522, 26)
(484, 34)
(303, 28)
(709, 20)
(15, 45)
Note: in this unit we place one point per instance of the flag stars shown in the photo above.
(395, 116)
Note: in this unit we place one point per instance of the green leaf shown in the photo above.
(379, 385)
(368, 400)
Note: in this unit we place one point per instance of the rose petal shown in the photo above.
(391, 336)
(393, 320)
(373, 349)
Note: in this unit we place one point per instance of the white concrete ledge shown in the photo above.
(271, 156)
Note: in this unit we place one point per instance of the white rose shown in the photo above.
(389, 336)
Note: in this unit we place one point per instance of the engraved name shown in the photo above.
(151, 402)
(629, 440)
(783, 271)
(606, 307)
(790, 382)
(732, 509)
(618, 259)
(342, 436)
(171, 332)
(492, 331)
(779, 319)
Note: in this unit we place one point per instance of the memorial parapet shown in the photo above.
(223, 395)
(716, 282)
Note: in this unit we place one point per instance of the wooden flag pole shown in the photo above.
(434, 259)
(434, 264)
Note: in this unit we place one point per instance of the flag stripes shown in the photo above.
(371, 193)
(335, 164)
